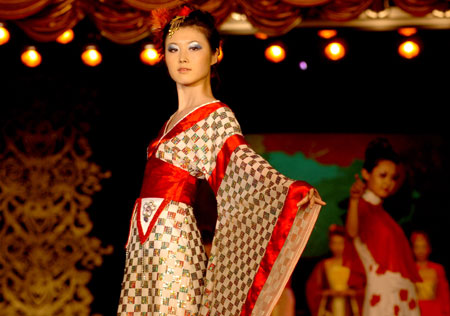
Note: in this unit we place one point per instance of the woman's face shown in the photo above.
(383, 178)
(336, 245)
(189, 57)
(421, 248)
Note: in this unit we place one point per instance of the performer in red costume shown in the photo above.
(264, 218)
(433, 291)
(328, 291)
(379, 241)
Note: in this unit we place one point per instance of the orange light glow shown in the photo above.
(91, 56)
(409, 49)
(275, 53)
(150, 55)
(31, 57)
(335, 51)
(261, 36)
(220, 56)
(407, 31)
(4, 35)
(327, 34)
(65, 37)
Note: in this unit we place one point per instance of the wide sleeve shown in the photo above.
(260, 232)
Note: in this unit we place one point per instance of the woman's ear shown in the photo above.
(215, 57)
(365, 174)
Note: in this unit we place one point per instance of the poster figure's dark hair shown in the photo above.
(379, 149)
(203, 20)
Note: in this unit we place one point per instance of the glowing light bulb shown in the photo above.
(407, 31)
(335, 51)
(303, 65)
(91, 56)
(150, 55)
(4, 34)
(409, 49)
(65, 37)
(31, 57)
(327, 34)
(275, 53)
(261, 36)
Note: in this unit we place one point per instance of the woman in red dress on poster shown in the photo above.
(264, 218)
(433, 291)
(380, 242)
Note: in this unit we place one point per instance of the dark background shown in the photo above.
(122, 104)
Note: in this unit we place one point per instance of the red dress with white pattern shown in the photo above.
(387, 261)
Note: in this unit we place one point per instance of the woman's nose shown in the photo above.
(182, 57)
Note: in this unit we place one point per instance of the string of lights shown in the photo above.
(275, 52)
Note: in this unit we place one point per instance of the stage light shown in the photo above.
(275, 53)
(335, 50)
(91, 56)
(407, 31)
(261, 36)
(65, 37)
(303, 65)
(31, 57)
(409, 49)
(150, 55)
(327, 34)
(4, 34)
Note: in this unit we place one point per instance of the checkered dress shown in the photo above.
(260, 233)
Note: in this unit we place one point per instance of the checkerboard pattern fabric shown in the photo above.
(196, 149)
(165, 275)
(250, 199)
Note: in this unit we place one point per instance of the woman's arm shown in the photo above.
(356, 191)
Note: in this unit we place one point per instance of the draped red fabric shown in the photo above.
(386, 241)
(128, 21)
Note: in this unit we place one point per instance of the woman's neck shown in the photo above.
(192, 96)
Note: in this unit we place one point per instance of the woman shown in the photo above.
(433, 292)
(327, 290)
(264, 218)
(379, 241)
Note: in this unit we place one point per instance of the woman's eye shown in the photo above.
(195, 47)
(172, 49)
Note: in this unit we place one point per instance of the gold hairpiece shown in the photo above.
(175, 24)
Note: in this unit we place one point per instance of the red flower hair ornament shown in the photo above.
(161, 17)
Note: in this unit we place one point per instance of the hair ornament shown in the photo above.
(178, 20)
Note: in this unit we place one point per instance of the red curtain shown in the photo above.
(128, 21)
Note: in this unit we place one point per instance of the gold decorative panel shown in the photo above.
(46, 253)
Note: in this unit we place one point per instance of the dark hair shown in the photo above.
(336, 230)
(205, 22)
(379, 149)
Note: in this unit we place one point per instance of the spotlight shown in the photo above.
(407, 31)
(261, 35)
(65, 37)
(4, 34)
(409, 49)
(327, 34)
(149, 55)
(275, 53)
(31, 57)
(91, 56)
(303, 65)
(335, 50)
